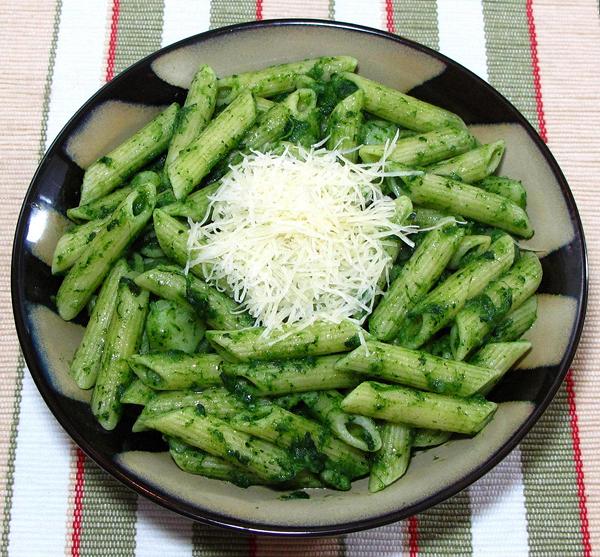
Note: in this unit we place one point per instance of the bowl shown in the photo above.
(133, 98)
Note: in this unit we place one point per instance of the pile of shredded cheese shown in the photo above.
(298, 237)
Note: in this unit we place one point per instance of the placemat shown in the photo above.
(544, 55)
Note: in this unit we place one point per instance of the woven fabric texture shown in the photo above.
(544, 55)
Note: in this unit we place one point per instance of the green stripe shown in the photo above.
(446, 528)
(551, 484)
(549, 479)
(417, 20)
(509, 53)
(12, 446)
(48, 90)
(139, 32)
(212, 542)
(228, 12)
(108, 515)
(10, 465)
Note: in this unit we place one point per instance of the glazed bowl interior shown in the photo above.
(133, 98)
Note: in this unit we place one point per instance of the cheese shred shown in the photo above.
(298, 236)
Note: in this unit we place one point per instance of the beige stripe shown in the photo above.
(293, 8)
(568, 34)
(26, 36)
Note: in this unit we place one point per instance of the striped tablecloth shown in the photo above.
(544, 55)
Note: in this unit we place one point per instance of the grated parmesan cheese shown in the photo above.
(298, 237)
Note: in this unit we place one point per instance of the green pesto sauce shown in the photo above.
(217, 435)
(153, 378)
(113, 223)
(336, 479)
(304, 450)
(487, 310)
(242, 459)
(107, 161)
(330, 93)
(240, 387)
(300, 132)
(316, 72)
(353, 342)
(295, 495)
(132, 286)
(364, 436)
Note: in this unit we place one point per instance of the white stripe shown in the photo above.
(161, 533)
(371, 14)
(462, 33)
(498, 515)
(183, 18)
(387, 540)
(42, 481)
(499, 518)
(78, 68)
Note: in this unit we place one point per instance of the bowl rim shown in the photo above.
(243, 526)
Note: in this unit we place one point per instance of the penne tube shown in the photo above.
(109, 171)
(286, 376)
(416, 277)
(196, 113)
(404, 110)
(103, 250)
(472, 166)
(170, 371)
(419, 409)
(344, 125)
(281, 78)
(392, 460)
(423, 149)
(475, 321)
(122, 340)
(215, 141)
(415, 368)
(319, 338)
(356, 431)
(442, 304)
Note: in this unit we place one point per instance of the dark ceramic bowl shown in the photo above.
(139, 460)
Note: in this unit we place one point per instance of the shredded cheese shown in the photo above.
(298, 236)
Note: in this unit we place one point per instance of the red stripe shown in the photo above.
(389, 16)
(536, 72)
(80, 463)
(583, 514)
(570, 383)
(112, 43)
(259, 9)
(252, 547)
(78, 505)
(413, 536)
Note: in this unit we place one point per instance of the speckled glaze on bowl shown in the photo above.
(140, 460)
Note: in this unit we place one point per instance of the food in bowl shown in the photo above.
(302, 276)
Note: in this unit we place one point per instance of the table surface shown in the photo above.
(544, 55)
